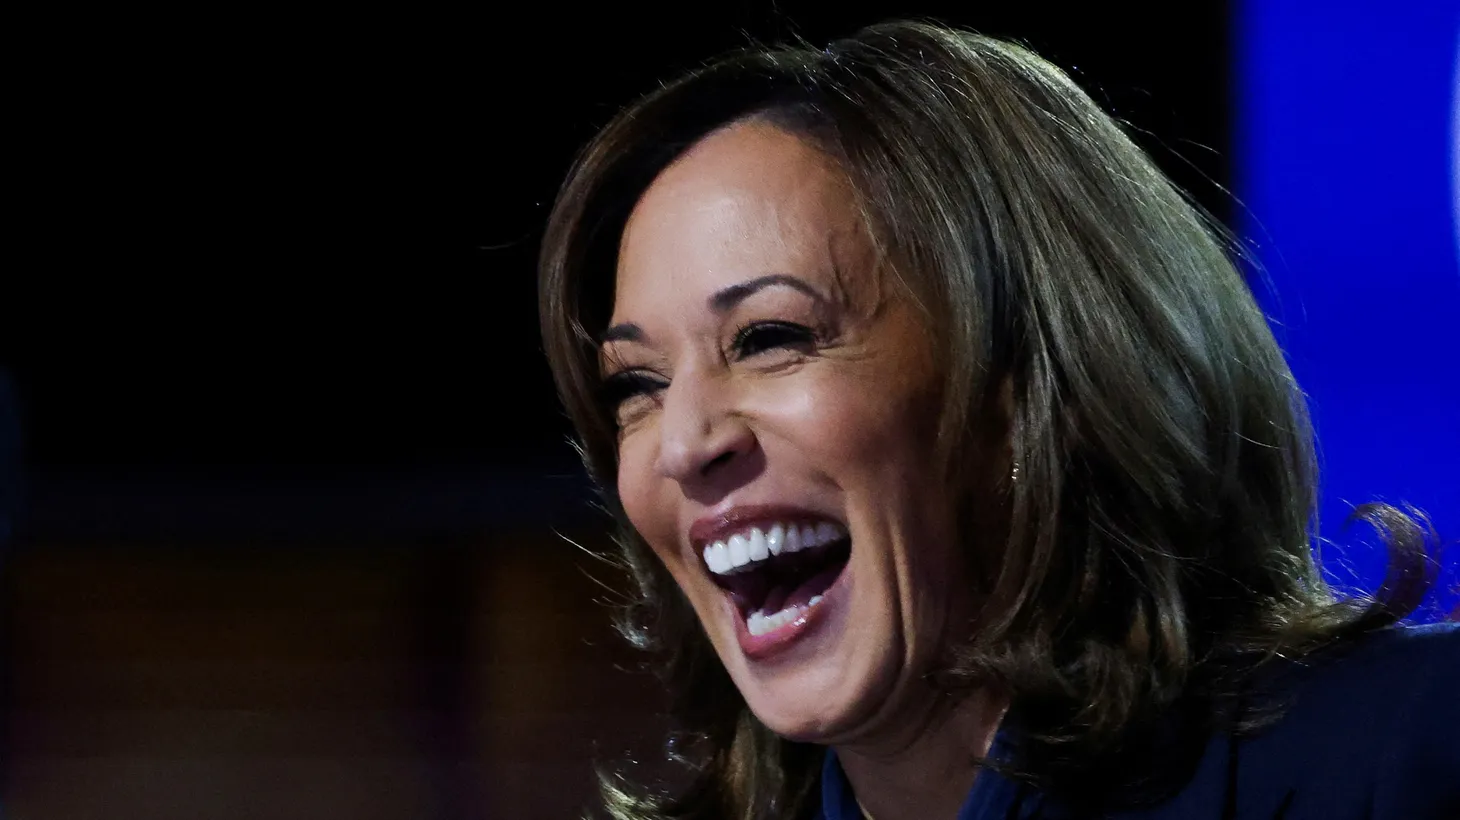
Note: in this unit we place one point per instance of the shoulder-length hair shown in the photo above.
(1158, 537)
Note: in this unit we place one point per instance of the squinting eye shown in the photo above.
(759, 337)
(625, 385)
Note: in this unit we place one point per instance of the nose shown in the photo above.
(700, 434)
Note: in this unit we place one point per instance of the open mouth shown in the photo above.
(775, 574)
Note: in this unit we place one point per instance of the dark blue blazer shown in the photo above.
(1370, 734)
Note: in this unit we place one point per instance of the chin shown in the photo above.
(820, 710)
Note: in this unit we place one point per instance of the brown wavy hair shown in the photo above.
(1158, 537)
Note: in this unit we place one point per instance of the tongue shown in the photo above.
(785, 595)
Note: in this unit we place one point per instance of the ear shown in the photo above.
(1003, 412)
(1006, 398)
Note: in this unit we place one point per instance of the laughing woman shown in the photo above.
(959, 473)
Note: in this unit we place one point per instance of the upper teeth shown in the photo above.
(756, 544)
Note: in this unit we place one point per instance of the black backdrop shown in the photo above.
(299, 245)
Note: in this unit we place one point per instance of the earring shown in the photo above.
(1014, 473)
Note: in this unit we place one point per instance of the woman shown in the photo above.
(959, 474)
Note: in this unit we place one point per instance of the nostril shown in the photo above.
(717, 461)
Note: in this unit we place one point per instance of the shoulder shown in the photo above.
(1364, 731)
(1371, 726)
(1381, 677)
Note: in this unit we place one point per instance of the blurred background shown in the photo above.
(286, 499)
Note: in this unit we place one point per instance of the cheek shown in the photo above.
(862, 426)
(640, 493)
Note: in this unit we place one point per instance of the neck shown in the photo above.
(924, 767)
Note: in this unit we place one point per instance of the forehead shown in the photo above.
(746, 201)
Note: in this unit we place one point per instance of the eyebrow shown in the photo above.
(625, 332)
(722, 301)
(726, 299)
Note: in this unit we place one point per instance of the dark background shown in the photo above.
(294, 473)
(308, 242)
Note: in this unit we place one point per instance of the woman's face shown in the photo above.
(777, 404)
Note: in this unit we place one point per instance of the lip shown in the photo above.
(720, 526)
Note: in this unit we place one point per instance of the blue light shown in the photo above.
(1347, 123)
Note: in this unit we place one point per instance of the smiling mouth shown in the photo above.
(774, 577)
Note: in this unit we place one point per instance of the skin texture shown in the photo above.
(838, 419)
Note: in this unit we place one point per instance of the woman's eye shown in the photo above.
(619, 388)
(759, 337)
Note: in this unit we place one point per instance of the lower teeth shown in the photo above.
(761, 624)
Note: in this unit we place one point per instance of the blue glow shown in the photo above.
(1346, 134)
